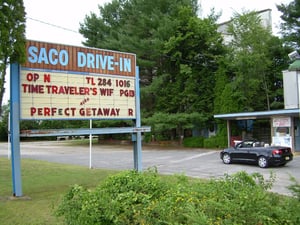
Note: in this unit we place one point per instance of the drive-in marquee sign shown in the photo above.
(66, 82)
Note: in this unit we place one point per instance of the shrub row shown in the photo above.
(201, 142)
(136, 198)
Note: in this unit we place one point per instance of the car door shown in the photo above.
(242, 151)
(253, 152)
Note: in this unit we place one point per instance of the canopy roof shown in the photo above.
(259, 115)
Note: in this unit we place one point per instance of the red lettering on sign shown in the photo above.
(32, 76)
(99, 112)
(127, 93)
(130, 112)
(31, 88)
(106, 91)
(70, 111)
(70, 90)
(48, 112)
(47, 78)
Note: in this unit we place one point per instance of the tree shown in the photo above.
(138, 26)
(290, 27)
(254, 64)
(12, 37)
(4, 123)
(193, 51)
(176, 52)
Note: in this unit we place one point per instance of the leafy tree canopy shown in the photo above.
(290, 28)
(177, 52)
(12, 37)
(137, 26)
(253, 66)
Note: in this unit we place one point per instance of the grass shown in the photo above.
(43, 185)
(77, 142)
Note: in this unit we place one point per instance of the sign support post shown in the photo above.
(15, 129)
(137, 137)
(91, 140)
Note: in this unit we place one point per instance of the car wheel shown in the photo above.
(226, 158)
(262, 162)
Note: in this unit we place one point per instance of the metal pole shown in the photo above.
(137, 138)
(8, 138)
(228, 133)
(91, 140)
(15, 129)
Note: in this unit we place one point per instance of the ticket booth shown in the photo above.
(282, 129)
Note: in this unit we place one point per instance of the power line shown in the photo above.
(53, 25)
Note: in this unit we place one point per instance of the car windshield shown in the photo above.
(246, 144)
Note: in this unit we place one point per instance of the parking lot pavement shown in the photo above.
(200, 163)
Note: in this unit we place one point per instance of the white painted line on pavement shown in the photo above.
(194, 157)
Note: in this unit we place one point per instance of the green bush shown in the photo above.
(3, 133)
(147, 137)
(136, 198)
(201, 142)
(217, 141)
(193, 142)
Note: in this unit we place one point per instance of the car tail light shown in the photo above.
(277, 152)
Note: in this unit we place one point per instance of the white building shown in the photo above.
(266, 19)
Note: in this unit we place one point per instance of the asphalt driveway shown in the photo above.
(201, 163)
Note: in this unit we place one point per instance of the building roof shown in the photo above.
(295, 66)
(258, 115)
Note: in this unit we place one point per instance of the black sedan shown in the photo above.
(251, 151)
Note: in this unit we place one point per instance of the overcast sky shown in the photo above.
(57, 21)
(69, 13)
